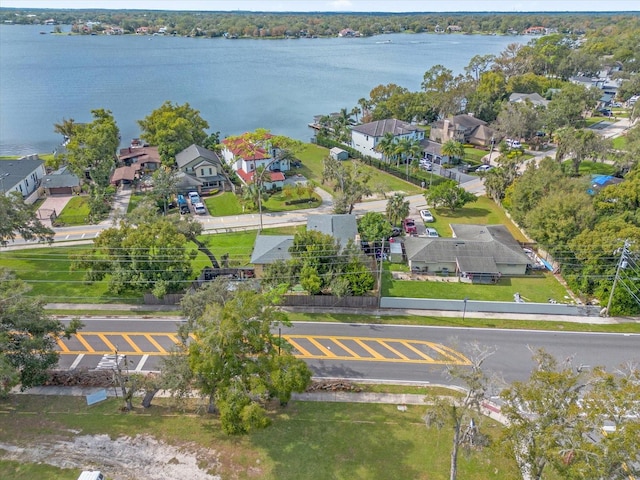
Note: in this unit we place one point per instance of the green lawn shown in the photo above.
(474, 156)
(224, 204)
(312, 157)
(596, 168)
(238, 245)
(484, 211)
(75, 212)
(538, 288)
(619, 143)
(47, 271)
(307, 440)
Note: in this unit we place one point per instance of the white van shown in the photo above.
(91, 475)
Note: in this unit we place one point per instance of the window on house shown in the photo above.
(202, 172)
(210, 171)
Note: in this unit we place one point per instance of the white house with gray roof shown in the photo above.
(22, 176)
(479, 253)
(366, 137)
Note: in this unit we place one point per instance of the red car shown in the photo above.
(410, 226)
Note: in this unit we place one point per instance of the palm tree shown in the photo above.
(453, 149)
(355, 111)
(364, 106)
(397, 209)
(387, 146)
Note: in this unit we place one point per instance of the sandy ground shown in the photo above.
(125, 458)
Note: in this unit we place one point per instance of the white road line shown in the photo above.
(67, 237)
(83, 235)
(141, 363)
(77, 361)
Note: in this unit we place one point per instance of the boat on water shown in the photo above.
(385, 41)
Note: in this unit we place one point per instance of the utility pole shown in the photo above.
(621, 264)
(380, 274)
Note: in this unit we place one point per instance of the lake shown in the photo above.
(237, 85)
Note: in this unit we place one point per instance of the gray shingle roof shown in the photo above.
(267, 249)
(341, 227)
(13, 172)
(194, 151)
(380, 127)
(477, 247)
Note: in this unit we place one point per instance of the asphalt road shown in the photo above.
(365, 351)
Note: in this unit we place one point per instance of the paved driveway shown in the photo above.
(52, 203)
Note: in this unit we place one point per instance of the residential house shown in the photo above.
(22, 175)
(135, 161)
(454, 28)
(462, 128)
(245, 158)
(61, 182)
(476, 253)
(268, 249)
(535, 99)
(536, 30)
(201, 168)
(366, 137)
(432, 150)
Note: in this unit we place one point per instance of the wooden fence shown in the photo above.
(329, 301)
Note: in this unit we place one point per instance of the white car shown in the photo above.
(427, 216)
(199, 208)
(484, 168)
(432, 232)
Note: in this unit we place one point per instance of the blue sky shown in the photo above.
(340, 5)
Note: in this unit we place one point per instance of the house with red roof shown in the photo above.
(247, 157)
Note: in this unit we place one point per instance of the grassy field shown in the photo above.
(483, 211)
(224, 204)
(312, 157)
(596, 168)
(619, 143)
(306, 440)
(75, 212)
(534, 288)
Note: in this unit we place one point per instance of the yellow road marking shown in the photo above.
(84, 343)
(345, 348)
(393, 350)
(62, 345)
(154, 343)
(386, 352)
(106, 341)
(297, 346)
(131, 342)
(322, 348)
(368, 349)
(411, 347)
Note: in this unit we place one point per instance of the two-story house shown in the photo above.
(245, 158)
(366, 137)
(462, 128)
(199, 169)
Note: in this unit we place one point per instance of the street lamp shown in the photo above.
(464, 310)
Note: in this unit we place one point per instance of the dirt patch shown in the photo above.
(125, 458)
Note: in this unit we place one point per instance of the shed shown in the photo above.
(395, 251)
(338, 154)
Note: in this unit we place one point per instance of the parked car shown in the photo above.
(484, 168)
(432, 232)
(194, 198)
(199, 208)
(427, 216)
(410, 226)
(396, 232)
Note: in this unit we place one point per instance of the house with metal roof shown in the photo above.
(477, 253)
(22, 175)
(366, 137)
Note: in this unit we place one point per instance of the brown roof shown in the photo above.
(124, 173)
